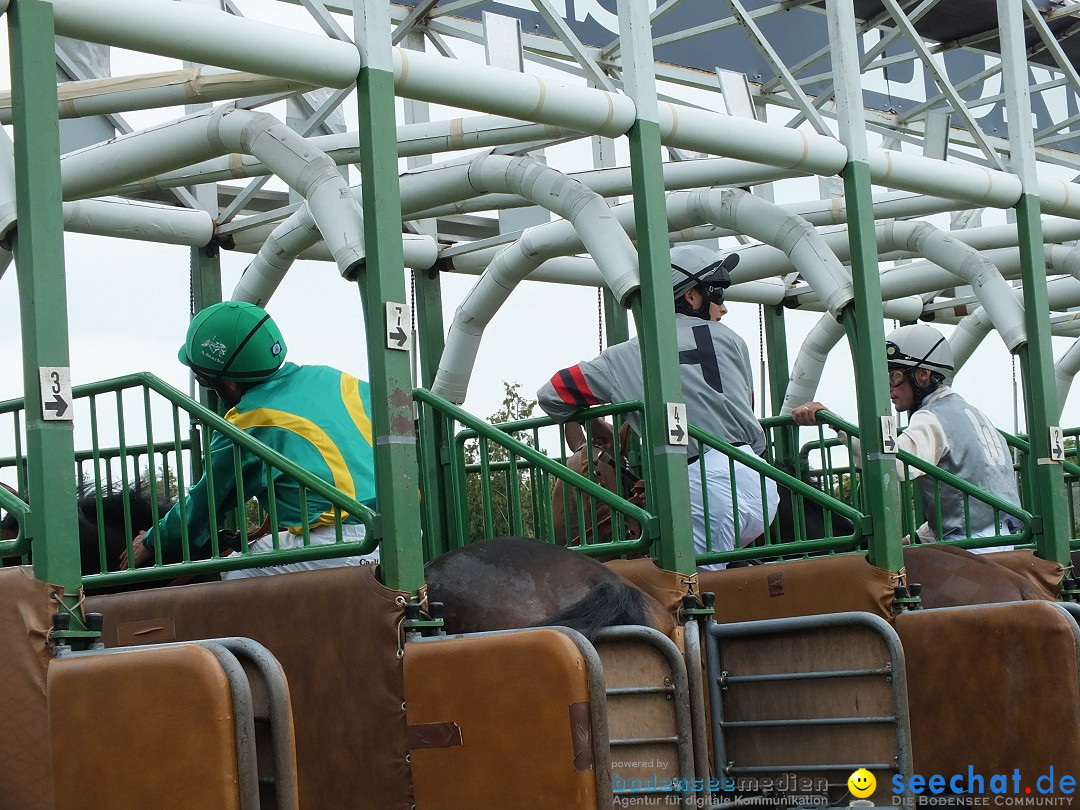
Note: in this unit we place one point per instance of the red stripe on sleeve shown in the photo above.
(583, 387)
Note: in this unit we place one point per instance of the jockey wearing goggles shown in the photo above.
(717, 387)
(946, 431)
(699, 279)
(914, 347)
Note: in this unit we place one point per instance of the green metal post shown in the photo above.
(1040, 392)
(38, 245)
(654, 309)
(382, 280)
(863, 319)
(1047, 476)
(779, 371)
(205, 291)
(616, 324)
(429, 317)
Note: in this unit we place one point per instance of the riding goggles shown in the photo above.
(714, 294)
(897, 377)
(205, 382)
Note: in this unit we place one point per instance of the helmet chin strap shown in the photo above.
(682, 306)
(921, 392)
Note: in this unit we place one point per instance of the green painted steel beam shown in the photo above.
(654, 308)
(776, 353)
(655, 316)
(616, 323)
(1040, 391)
(864, 322)
(427, 290)
(382, 280)
(38, 245)
(205, 291)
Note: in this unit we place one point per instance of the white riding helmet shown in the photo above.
(694, 265)
(919, 346)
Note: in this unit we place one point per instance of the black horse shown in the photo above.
(512, 582)
(104, 530)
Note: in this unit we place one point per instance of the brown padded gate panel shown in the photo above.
(821, 650)
(666, 587)
(1045, 574)
(334, 632)
(151, 728)
(499, 720)
(810, 587)
(994, 687)
(25, 618)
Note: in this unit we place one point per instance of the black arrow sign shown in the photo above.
(677, 434)
(890, 444)
(400, 335)
(58, 406)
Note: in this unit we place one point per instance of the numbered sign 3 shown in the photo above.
(56, 393)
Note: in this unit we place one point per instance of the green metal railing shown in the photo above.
(1072, 481)
(911, 502)
(173, 479)
(12, 504)
(474, 504)
(772, 543)
(505, 468)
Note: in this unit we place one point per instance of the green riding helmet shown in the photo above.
(233, 340)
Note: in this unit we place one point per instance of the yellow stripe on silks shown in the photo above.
(350, 395)
(306, 429)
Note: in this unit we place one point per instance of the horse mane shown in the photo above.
(607, 604)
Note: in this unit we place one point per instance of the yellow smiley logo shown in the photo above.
(861, 783)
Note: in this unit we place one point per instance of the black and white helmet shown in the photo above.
(919, 346)
(696, 266)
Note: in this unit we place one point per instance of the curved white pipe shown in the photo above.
(287, 241)
(585, 214)
(1064, 372)
(968, 334)
(422, 138)
(806, 371)
(771, 224)
(295, 237)
(147, 222)
(222, 131)
(993, 292)
(207, 36)
(7, 196)
(601, 234)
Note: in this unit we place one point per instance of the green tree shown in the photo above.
(500, 481)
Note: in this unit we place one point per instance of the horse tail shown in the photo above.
(608, 604)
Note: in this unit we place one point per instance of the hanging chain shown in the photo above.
(412, 301)
(600, 317)
(761, 354)
(1016, 401)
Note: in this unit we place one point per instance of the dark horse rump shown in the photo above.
(512, 582)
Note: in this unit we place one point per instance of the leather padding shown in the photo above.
(809, 587)
(518, 701)
(148, 728)
(1045, 574)
(335, 633)
(25, 618)
(666, 587)
(994, 687)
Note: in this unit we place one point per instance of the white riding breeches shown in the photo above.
(755, 511)
(322, 535)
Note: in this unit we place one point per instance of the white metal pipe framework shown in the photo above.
(222, 130)
(207, 36)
